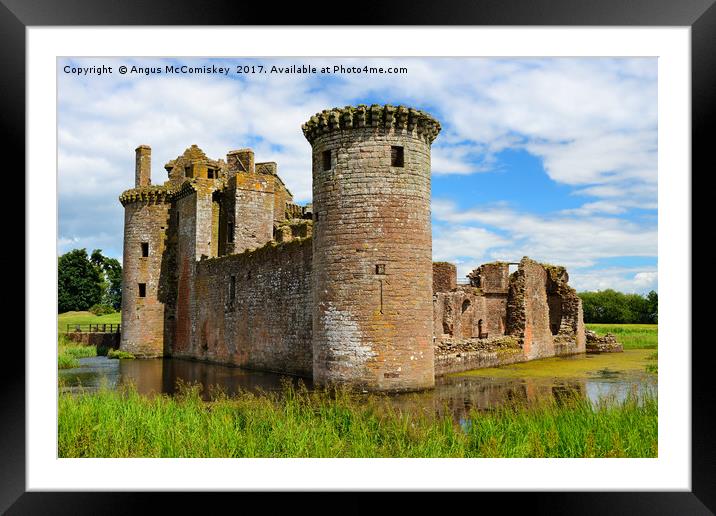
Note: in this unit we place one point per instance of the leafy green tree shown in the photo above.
(79, 282)
(111, 272)
(612, 307)
(652, 305)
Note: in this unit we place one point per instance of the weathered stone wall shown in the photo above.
(103, 341)
(492, 278)
(146, 217)
(444, 277)
(529, 309)
(267, 325)
(186, 252)
(566, 317)
(457, 355)
(467, 313)
(544, 312)
(372, 323)
(254, 210)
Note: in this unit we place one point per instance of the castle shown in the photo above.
(221, 265)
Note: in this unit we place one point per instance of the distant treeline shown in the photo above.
(610, 306)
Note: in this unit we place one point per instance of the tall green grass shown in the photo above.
(69, 352)
(631, 336)
(302, 423)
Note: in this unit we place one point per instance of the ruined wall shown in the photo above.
(146, 217)
(566, 317)
(467, 313)
(253, 210)
(528, 309)
(444, 277)
(544, 311)
(263, 321)
(457, 355)
(372, 323)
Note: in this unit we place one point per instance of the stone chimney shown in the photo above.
(143, 166)
(241, 160)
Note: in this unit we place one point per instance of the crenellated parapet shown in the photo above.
(152, 194)
(398, 118)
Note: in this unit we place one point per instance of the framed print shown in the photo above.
(465, 220)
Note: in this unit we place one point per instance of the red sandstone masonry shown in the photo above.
(268, 324)
(372, 322)
(145, 221)
(361, 301)
(444, 277)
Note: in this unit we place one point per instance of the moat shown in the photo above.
(595, 377)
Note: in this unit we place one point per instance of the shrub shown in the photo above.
(99, 309)
(115, 353)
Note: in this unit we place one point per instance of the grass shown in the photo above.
(115, 353)
(302, 423)
(631, 336)
(69, 353)
(73, 318)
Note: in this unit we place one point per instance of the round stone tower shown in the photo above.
(372, 247)
(146, 214)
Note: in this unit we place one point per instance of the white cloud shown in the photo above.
(629, 280)
(578, 243)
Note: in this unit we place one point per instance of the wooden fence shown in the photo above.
(93, 328)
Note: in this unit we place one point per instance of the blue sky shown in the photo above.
(555, 159)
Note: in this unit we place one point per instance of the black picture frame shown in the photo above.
(699, 15)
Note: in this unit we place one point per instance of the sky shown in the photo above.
(551, 158)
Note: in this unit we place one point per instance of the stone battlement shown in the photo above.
(388, 117)
(146, 194)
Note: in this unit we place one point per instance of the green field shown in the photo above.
(302, 423)
(631, 336)
(73, 318)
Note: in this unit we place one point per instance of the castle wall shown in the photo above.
(145, 221)
(186, 256)
(372, 323)
(253, 211)
(268, 323)
(463, 312)
(444, 277)
(528, 310)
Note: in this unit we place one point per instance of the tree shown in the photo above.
(111, 272)
(79, 282)
(84, 281)
(612, 307)
(652, 305)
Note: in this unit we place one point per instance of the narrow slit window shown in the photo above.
(396, 157)
(232, 288)
(145, 249)
(326, 160)
(142, 290)
(230, 232)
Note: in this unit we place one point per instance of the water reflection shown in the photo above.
(453, 395)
